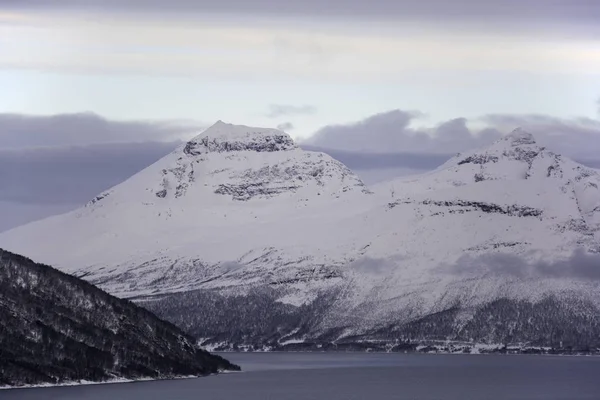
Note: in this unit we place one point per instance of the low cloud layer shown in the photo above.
(365, 160)
(51, 164)
(285, 126)
(393, 132)
(26, 131)
(577, 137)
(368, 267)
(70, 175)
(580, 265)
(44, 181)
(14, 214)
(509, 12)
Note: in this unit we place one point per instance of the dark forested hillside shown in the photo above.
(56, 328)
(257, 321)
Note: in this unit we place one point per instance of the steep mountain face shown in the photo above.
(232, 196)
(56, 328)
(298, 250)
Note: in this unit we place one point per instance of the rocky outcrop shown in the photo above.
(274, 141)
(227, 150)
(462, 206)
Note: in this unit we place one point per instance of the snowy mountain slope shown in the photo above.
(227, 185)
(241, 209)
(549, 200)
(513, 197)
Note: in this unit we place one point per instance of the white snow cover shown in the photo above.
(240, 206)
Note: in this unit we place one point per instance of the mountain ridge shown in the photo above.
(265, 221)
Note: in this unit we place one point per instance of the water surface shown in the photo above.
(350, 376)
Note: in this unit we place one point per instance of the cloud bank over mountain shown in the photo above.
(580, 265)
(395, 131)
(49, 164)
(18, 131)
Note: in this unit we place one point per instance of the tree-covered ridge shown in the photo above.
(257, 321)
(56, 328)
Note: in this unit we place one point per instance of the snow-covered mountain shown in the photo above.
(241, 218)
(228, 196)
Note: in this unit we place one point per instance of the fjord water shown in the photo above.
(350, 376)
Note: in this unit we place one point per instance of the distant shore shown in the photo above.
(414, 348)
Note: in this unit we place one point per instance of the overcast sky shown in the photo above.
(93, 91)
(333, 61)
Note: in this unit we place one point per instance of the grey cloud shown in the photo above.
(23, 131)
(382, 146)
(285, 126)
(374, 267)
(578, 137)
(385, 145)
(582, 12)
(373, 176)
(580, 265)
(72, 175)
(589, 162)
(373, 168)
(284, 110)
(501, 264)
(364, 160)
(379, 148)
(14, 214)
(391, 132)
(229, 266)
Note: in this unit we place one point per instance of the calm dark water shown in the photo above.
(350, 376)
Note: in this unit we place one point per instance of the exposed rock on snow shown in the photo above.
(240, 209)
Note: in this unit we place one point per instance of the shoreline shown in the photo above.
(110, 382)
(403, 348)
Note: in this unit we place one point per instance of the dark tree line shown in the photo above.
(253, 319)
(256, 319)
(55, 328)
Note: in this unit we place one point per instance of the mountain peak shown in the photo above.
(223, 137)
(519, 145)
(520, 137)
(511, 157)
